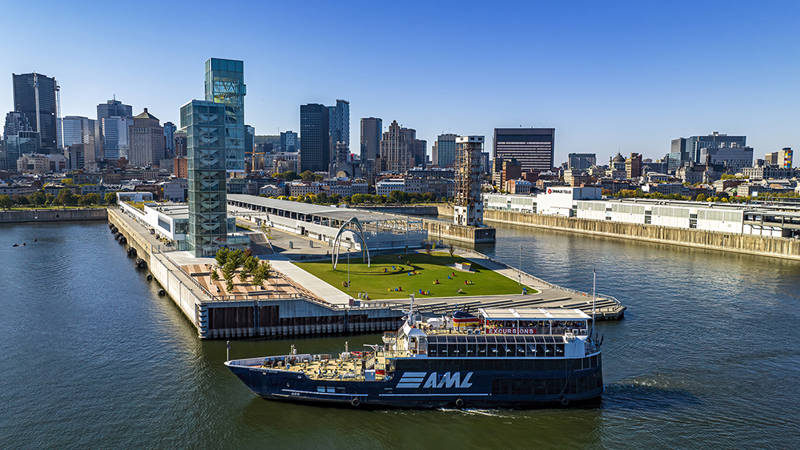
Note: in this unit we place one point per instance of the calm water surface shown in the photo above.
(707, 355)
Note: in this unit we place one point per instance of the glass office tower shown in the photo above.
(225, 84)
(205, 126)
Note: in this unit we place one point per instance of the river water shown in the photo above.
(707, 355)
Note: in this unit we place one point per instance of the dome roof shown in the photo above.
(619, 158)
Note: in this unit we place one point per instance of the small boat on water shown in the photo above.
(518, 358)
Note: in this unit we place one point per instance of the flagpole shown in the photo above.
(594, 295)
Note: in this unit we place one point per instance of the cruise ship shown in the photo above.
(495, 358)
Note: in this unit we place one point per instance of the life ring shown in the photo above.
(564, 401)
(355, 402)
(460, 403)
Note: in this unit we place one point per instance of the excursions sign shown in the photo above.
(520, 330)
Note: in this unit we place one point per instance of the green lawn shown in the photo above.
(390, 271)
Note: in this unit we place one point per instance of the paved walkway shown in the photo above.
(308, 281)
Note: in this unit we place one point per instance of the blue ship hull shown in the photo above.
(441, 382)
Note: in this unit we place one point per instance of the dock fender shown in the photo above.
(564, 401)
(459, 403)
(355, 402)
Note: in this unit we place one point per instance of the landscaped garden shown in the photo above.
(421, 274)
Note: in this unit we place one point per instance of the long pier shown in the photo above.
(315, 307)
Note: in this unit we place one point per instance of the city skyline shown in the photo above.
(609, 71)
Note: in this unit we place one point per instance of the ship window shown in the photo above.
(540, 350)
(462, 347)
(530, 350)
(471, 347)
(481, 347)
(433, 349)
(549, 350)
(491, 347)
(559, 350)
(442, 348)
(511, 346)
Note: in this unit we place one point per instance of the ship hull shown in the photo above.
(442, 383)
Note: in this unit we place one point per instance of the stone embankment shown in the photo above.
(728, 242)
(52, 215)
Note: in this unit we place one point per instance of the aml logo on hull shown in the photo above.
(413, 380)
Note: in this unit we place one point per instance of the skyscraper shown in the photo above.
(444, 150)
(581, 161)
(169, 138)
(113, 120)
(78, 130)
(289, 141)
(396, 149)
(225, 84)
(146, 141)
(371, 130)
(205, 125)
(532, 147)
(314, 137)
(339, 123)
(18, 138)
(35, 97)
(711, 142)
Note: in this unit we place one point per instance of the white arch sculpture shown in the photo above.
(337, 241)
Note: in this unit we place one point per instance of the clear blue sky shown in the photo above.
(608, 76)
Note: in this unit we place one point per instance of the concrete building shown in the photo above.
(733, 159)
(532, 147)
(300, 188)
(113, 120)
(204, 124)
(75, 154)
(272, 190)
(396, 150)
(763, 171)
(633, 166)
(782, 158)
(35, 97)
(519, 187)
(176, 190)
(444, 150)
(389, 185)
(467, 204)
(146, 141)
(504, 170)
(581, 161)
(180, 144)
(575, 177)
(315, 152)
(224, 83)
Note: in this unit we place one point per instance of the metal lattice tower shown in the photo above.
(468, 206)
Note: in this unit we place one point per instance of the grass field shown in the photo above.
(390, 272)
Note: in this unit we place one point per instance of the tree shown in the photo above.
(701, 197)
(111, 198)
(215, 275)
(261, 273)
(38, 198)
(90, 199)
(307, 175)
(66, 198)
(221, 256)
(20, 200)
(6, 202)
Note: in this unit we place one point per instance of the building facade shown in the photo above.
(315, 154)
(339, 124)
(169, 138)
(35, 97)
(146, 141)
(205, 126)
(113, 120)
(225, 84)
(711, 142)
(467, 204)
(581, 161)
(371, 131)
(532, 147)
(444, 150)
(290, 141)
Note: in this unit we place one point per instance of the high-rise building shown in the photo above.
(146, 141)
(169, 138)
(79, 130)
(781, 158)
(36, 98)
(314, 138)
(371, 130)
(290, 141)
(249, 142)
(711, 142)
(75, 154)
(581, 161)
(532, 147)
(633, 166)
(444, 150)
(396, 150)
(113, 120)
(467, 204)
(180, 143)
(225, 84)
(732, 158)
(205, 126)
(339, 123)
